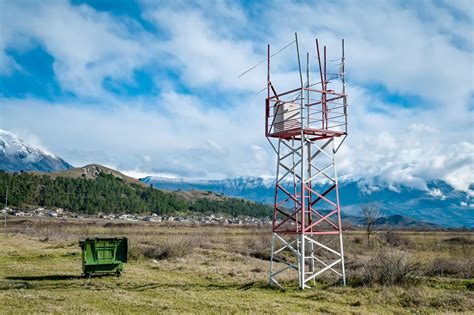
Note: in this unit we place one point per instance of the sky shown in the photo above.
(153, 87)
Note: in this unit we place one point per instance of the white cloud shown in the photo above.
(424, 52)
(391, 44)
(204, 57)
(87, 46)
(411, 156)
(186, 138)
(437, 193)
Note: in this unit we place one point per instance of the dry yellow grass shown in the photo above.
(40, 272)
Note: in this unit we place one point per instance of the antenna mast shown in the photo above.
(305, 127)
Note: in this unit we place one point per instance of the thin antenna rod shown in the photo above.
(322, 82)
(267, 105)
(325, 109)
(309, 150)
(302, 174)
(307, 69)
(307, 91)
(343, 79)
(325, 72)
(258, 64)
(319, 62)
(299, 60)
(268, 70)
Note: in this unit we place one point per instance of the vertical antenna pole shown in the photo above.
(319, 62)
(299, 61)
(322, 83)
(303, 188)
(325, 73)
(307, 69)
(268, 70)
(343, 79)
(267, 105)
(325, 106)
(307, 91)
(308, 125)
(308, 150)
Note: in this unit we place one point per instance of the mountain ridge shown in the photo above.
(91, 171)
(16, 155)
(439, 204)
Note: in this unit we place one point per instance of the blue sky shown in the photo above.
(152, 87)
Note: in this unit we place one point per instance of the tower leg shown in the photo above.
(302, 259)
(342, 260)
(306, 217)
(270, 280)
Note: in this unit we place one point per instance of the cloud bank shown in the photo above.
(157, 91)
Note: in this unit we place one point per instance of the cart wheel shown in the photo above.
(118, 273)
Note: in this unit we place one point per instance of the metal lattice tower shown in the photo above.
(306, 127)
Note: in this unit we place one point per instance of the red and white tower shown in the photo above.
(306, 127)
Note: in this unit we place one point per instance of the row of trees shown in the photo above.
(234, 207)
(109, 194)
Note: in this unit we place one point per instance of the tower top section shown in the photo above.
(315, 107)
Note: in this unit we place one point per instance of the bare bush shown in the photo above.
(177, 247)
(395, 239)
(259, 247)
(136, 250)
(173, 247)
(458, 240)
(459, 265)
(455, 268)
(387, 268)
(357, 240)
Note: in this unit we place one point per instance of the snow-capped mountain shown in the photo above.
(16, 155)
(440, 203)
(254, 188)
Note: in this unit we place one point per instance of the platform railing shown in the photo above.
(316, 111)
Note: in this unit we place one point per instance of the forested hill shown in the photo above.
(107, 193)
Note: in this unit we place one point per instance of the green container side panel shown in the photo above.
(103, 255)
(122, 251)
(103, 268)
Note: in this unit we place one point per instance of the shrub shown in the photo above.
(173, 247)
(136, 250)
(459, 240)
(179, 247)
(396, 239)
(387, 268)
(456, 268)
(259, 248)
(357, 240)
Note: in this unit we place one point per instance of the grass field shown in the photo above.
(201, 269)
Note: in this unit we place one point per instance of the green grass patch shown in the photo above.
(212, 276)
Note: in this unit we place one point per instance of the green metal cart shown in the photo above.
(102, 255)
